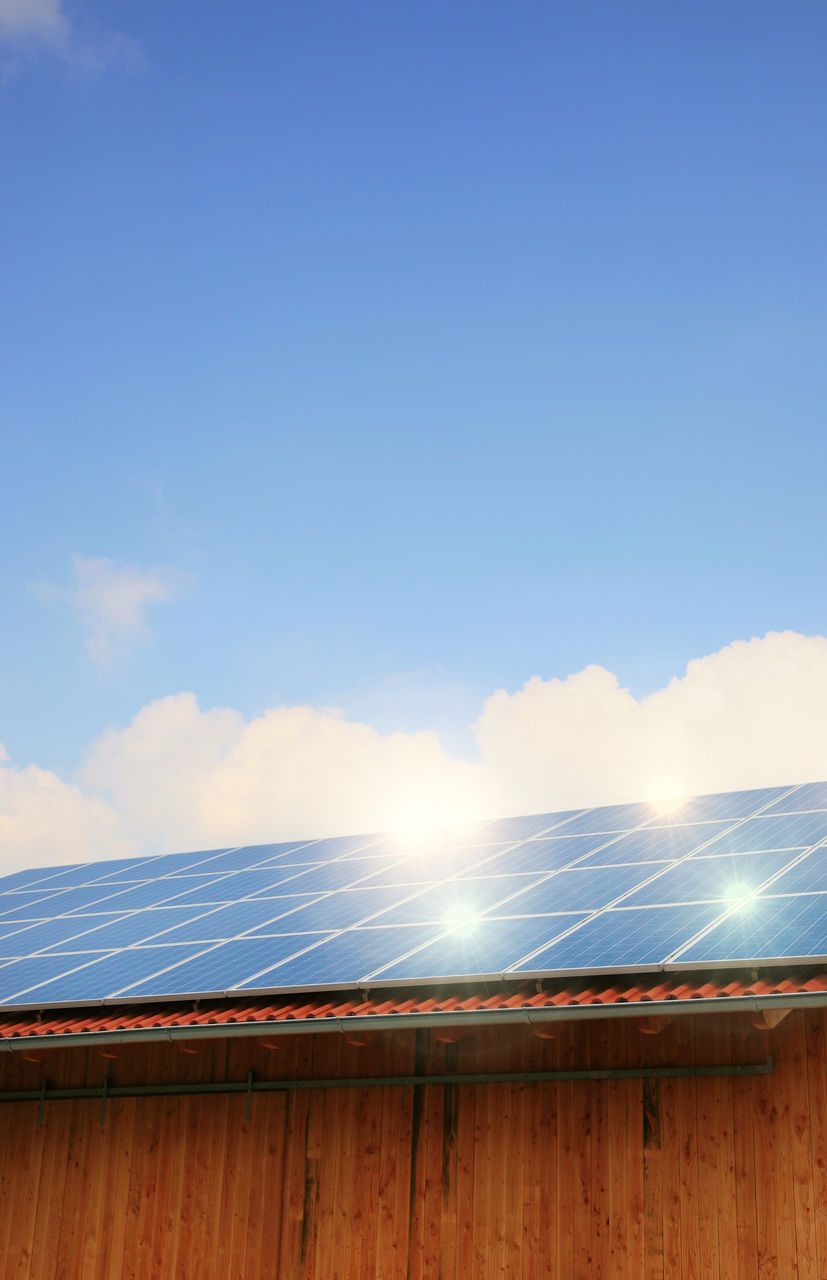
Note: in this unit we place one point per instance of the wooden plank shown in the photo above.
(566, 1184)
(124, 1121)
(543, 1256)
(601, 1242)
(815, 1038)
(450, 1209)
(767, 1188)
(621, 1121)
(391, 1233)
(54, 1135)
(743, 1143)
(794, 1033)
(346, 1191)
(782, 1093)
(272, 1189)
(244, 1225)
(687, 1152)
(72, 1221)
(504, 1223)
(21, 1155)
(432, 1199)
(416, 1183)
(709, 1154)
(483, 1160)
(326, 1059)
(94, 1245)
(581, 1174)
(723, 1124)
(638, 1048)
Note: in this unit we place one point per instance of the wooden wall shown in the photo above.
(700, 1177)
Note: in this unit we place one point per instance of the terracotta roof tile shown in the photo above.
(461, 999)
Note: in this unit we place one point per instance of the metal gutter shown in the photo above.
(398, 1021)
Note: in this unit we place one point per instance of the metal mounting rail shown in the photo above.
(250, 1085)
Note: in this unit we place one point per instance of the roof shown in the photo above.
(735, 879)
(665, 995)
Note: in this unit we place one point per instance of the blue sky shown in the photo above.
(411, 350)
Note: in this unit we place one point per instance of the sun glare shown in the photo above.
(665, 799)
(462, 920)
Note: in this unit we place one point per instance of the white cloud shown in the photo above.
(185, 777)
(752, 714)
(32, 26)
(110, 603)
(45, 821)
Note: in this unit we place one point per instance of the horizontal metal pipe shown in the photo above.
(108, 1090)
(414, 1021)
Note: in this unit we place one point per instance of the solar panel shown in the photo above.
(67, 933)
(727, 879)
(734, 878)
(343, 960)
(485, 950)
(636, 938)
(764, 929)
(217, 970)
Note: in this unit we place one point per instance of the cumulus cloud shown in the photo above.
(110, 603)
(45, 821)
(177, 776)
(43, 26)
(752, 714)
(183, 776)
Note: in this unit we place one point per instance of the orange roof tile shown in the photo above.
(268, 1012)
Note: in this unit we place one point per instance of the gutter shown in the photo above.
(455, 1018)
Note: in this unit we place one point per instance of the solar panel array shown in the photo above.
(732, 879)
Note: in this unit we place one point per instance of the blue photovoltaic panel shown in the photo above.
(726, 807)
(152, 893)
(12, 927)
(96, 980)
(57, 904)
(808, 875)
(812, 795)
(239, 884)
(219, 924)
(217, 970)
(621, 939)
(454, 899)
(609, 818)
(17, 976)
(623, 886)
(543, 855)
(338, 910)
(510, 829)
(729, 878)
(764, 929)
(125, 931)
(345, 959)
(23, 906)
(32, 877)
(486, 947)
(98, 873)
(68, 933)
(340, 846)
(246, 859)
(576, 890)
(430, 864)
(777, 831)
(658, 844)
(330, 875)
(166, 864)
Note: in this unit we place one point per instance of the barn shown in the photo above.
(576, 1045)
